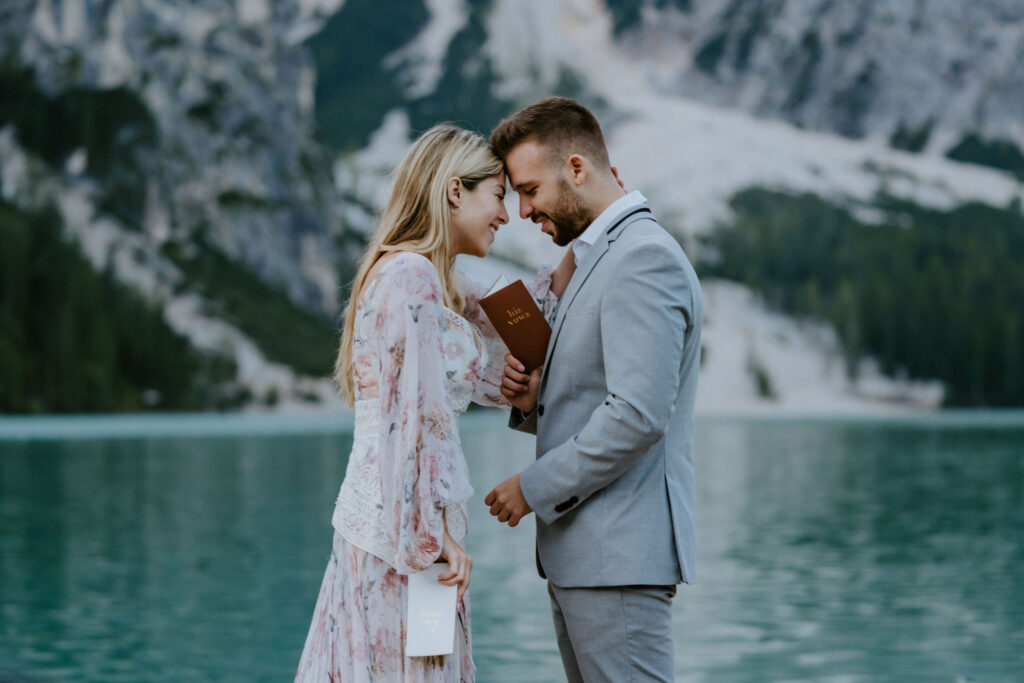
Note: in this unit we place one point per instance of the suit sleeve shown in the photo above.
(523, 423)
(646, 313)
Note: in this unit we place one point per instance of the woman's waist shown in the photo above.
(367, 418)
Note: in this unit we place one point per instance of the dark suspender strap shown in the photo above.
(622, 221)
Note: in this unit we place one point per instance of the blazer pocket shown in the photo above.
(585, 359)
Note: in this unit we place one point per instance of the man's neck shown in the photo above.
(605, 197)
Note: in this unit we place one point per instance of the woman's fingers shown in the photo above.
(512, 375)
(514, 363)
(460, 566)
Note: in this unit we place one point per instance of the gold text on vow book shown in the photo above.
(518, 321)
(516, 315)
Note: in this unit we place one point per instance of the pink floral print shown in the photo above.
(417, 365)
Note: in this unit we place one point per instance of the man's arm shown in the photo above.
(645, 315)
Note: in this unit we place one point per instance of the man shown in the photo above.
(613, 483)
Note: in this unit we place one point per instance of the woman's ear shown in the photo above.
(454, 191)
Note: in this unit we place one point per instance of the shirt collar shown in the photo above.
(603, 221)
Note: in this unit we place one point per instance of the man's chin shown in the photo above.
(556, 234)
(561, 239)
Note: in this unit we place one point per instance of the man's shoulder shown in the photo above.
(647, 238)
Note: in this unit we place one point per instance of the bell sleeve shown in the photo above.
(488, 389)
(423, 471)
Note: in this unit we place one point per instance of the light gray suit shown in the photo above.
(613, 483)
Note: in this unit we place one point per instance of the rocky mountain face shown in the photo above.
(177, 143)
(939, 76)
(211, 137)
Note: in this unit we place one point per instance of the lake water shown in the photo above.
(179, 548)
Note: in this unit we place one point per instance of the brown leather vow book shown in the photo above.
(519, 322)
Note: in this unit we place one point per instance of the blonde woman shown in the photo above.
(415, 351)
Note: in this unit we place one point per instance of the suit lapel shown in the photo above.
(583, 272)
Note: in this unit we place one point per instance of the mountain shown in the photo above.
(699, 144)
(177, 142)
(827, 166)
(921, 74)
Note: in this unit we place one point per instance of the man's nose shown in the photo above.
(524, 209)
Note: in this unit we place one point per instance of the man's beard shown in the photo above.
(569, 218)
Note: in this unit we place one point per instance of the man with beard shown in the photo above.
(612, 407)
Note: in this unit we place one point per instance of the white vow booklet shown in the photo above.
(430, 627)
(500, 283)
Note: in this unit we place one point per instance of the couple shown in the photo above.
(612, 408)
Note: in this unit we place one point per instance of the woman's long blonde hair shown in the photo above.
(418, 219)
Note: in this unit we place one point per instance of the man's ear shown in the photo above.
(454, 192)
(577, 169)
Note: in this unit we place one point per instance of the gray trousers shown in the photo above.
(619, 634)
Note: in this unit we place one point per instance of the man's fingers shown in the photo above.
(491, 497)
(503, 517)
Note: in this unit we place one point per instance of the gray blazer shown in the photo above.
(613, 483)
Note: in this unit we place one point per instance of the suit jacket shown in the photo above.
(613, 483)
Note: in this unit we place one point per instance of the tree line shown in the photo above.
(929, 293)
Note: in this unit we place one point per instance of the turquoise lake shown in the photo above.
(191, 548)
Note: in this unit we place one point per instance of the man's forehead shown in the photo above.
(525, 163)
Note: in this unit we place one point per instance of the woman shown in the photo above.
(415, 350)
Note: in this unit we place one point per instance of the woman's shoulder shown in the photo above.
(409, 272)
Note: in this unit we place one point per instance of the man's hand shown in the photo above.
(507, 501)
(519, 388)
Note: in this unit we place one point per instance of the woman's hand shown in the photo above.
(460, 565)
(519, 388)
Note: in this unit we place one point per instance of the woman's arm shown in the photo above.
(563, 272)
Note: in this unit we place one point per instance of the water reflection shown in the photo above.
(827, 551)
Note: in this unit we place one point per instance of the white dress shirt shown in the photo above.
(603, 222)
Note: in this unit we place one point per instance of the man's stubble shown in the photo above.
(569, 217)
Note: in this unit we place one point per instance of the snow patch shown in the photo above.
(422, 59)
(252, 12)
(802, 362)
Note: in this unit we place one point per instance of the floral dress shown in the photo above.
(417, 365)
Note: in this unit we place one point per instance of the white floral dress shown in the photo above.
(417, 365)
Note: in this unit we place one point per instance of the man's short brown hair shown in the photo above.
(562, 125)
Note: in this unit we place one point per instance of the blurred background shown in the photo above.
(185, 188)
